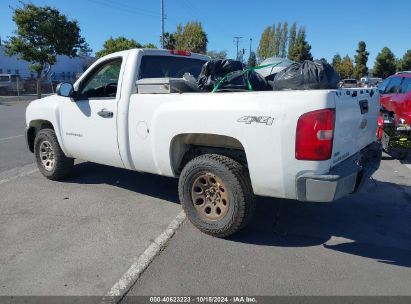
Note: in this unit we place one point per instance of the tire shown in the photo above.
(402, 155)
(51, 160)
(216, 194)
(399, 154)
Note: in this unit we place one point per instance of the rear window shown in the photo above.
(405, 86)
(394, 86)
(4, 78)
(169, 66)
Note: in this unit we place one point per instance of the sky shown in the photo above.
(332, 26)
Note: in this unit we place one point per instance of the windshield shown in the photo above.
(169, 66)
(351, 81)
(15, 77)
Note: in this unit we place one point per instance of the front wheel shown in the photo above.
(216, 194)
(51, 160)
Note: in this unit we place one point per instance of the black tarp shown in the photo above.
(309, 75)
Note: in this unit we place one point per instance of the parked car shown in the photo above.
(309, 145)
(394, 128)
(11, 84)
(348, 83)
(370, 82)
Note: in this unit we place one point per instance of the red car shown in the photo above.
(395, 121)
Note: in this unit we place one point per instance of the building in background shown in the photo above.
(65, 69)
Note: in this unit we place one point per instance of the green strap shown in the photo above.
(246, 72)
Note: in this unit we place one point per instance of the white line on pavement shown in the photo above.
(11, 137)
(15, 173)
(133, 273)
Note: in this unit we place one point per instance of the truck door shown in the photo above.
(89, 122)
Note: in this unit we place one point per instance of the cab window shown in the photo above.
(102, 81)
(394, 86)
(169, 66)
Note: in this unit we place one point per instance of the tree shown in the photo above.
(271, 41)
(300, 50)
(361, 59)
(169, 41)
(252, 60)
(405, 63)
(42, 34)
(190, 37)
(385, 63)
(277, 40)
(113, 45)
(293, 37)
(149, 46)
(263, 50)
(346, 68)
(217, 54)
(283, 40)
(336, 63)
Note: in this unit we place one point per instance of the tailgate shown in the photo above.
(356, 119)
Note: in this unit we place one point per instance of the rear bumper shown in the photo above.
(343, 179)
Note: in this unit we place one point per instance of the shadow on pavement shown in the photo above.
(375, 223)
(161, 187)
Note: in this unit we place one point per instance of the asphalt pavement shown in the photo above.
(76, 237)
(13, 151)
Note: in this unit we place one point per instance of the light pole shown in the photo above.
(162, 23)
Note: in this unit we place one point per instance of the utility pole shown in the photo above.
(251, 42)
(237, 42)
(162, 23)
(242, 54)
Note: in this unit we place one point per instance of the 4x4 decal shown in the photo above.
(258, 119)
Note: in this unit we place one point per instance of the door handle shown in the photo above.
(105, 113)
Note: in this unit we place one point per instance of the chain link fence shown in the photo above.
(14, 85)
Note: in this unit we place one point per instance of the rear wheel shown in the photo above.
(216, 194)
(51, 160)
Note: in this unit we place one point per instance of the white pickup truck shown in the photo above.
(316, 145)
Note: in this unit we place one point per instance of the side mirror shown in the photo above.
(65, 89)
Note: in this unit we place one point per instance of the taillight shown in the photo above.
(180, 53)
(315, 133)
(380, 121)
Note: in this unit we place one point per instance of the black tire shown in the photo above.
(402, 155)
(238, 191)
(397, 153)
(62, 165)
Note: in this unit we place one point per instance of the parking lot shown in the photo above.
(80, 236)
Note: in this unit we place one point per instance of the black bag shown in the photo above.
(215, 70)
(309, 75)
